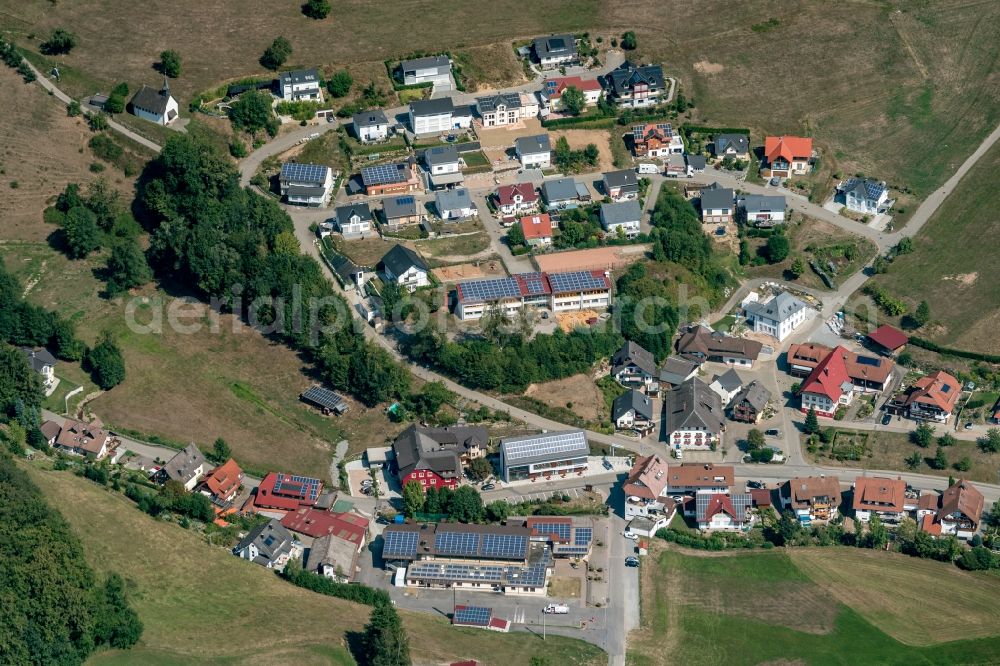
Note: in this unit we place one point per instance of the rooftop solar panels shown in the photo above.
(582, 536)
(576, 281)
(504, 546)
(534, 284)
(476, 616)
(464, 544)
(383, 174)
(553, 443)
(325, 398)
(304, 173)
(486, 291)
(399, 544)
(868, 360)
(561, 530)
(297, 486)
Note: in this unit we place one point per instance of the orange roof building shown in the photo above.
(878, 495)
(956, 511)
(934, 397)
(647, 479)
(828, 386)
(223, 482)
(785, 156)
(537, 229)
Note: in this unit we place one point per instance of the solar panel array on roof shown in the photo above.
(324, 398)
(576, 281)
(868, 360)
(399, 544)
(484, 291)
(301, 486)
(534, 284)
(405, 201)
(478, 616)
(507, 546)
(304, 173)
(382, 174)
(582, 536)
(545, 444)
(561, 530)
(457, 543)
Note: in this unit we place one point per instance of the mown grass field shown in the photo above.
(199, 604)
(753, 608)
(955, 265)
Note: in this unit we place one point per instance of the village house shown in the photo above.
(633, 410)
(694, 478)
(731, 145)
(79, 438)
(333, 557)
(223, 483)
(433, 69)
(534, 152)
(786, 156)
(501, 109)
(155, 105)
(888, 340)
(42, 362)
(315, 523)
(716, 204)
(886, 498)
(552, 90)
(828, 387)
(405, 267)
(306, 184)
(516, 199)
(869, 374)
(278, 493)
(435, 116)
(656, 140)
(677, 370)
(537, 230)
(400, 211)
(634, 86)
(645, 487)
(701, 344)
(454, 204)
(395, 178)
(622, 218)
(300, 84)
(563, 193)
(634, 367)
(558, 292)
(748, 405)
(724, 512)
(956, 512)
(555, 50)
(931, 398)
(694, 418)
(444, 167)
(762, 210)
(269, 545)
(186, 467)
(621, 185)
(812, 498)
(726, 386)
(778, 317)
(354, 220)
(675, 166)
(863, 195)
(433, 457)
(370, 126)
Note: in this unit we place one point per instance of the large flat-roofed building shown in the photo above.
(543, 455)
(560, 292)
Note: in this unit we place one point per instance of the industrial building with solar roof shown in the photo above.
(559, 292)
(544, 455)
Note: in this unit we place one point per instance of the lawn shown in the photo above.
(201, 604)
(454, 248)
(953, 269)
(363, 252)
(753, 608)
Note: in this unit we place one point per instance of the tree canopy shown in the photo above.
(339, 83)
(106, 363)
(572, 100)
(252, 113)
(170, 63)
(277, 53)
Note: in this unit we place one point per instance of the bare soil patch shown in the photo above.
(578, 139)
(473, 271)
(706, 67)
(570, 320)
(965, 279)
(578, 393)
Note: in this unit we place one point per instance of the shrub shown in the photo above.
(60, 42)
(98, 122)
(73, 109)
(316, 9)
(238, 149)
(105, 147)
(277, 53)
(628, 41)
(340, 83)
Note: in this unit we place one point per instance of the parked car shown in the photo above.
(556, 609)
(607, 463)
(631, 561)
(773, 432)
(632, 536)
(489, 486)
(968, 426)
(754, 484)
(886, 419)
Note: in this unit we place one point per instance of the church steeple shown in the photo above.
(165, 90)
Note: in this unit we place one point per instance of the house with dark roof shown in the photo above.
(394, 178)
(694, 418)
(371, 126)
(731, 145)
(155, 105)
(223, 483)
(186, 467)
(516, 199)
(717, 204)
(634, 366)
(636, 86)
(333, 557)
(269, 545)
(726, 386)
(354, 220)
(633, 410)
(622, 185)
(677, 370)
(405, 267)
(621, 219)
(454, 204)
(863, 195)
(762, 210)
(786, 156)
(554, 50)
(444, 168)
(561, 193)
(957, 511)
(500, 109)
(305, 184)
(433, 457)
(696, 163)
(42, 362)
(700, 344)
(433, 69)
(534, 152)
(749, 404)
(400, 211)
(430, 116)
(300, 84)
(813, 498)
(777, 317)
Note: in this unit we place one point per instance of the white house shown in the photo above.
(777, 317)
(404, 267)
(633, 410)
(502, 109)
(716, 204)
(269, 545)
(300, 84)
(42, 362)
(516, 199)
(634, 366)
(861, 195)
(724, 512)
(534, 152)
(443, 166)
(306, 184)
(692, 478)
(622, 185)
(763, 211)
(371, 126)
(552, 90)
(555, 50)
(726, 386)
(155, 106)
(454, 204)
(354, 220)
(185, 467)
(434, 116)
(435, 69)
(694, 417)
(622, 217)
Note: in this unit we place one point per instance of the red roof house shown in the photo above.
(552, 90)
(285, 492)
(873, 494)
(317, 523)
(889, 338)
(828, 386)
(647, 479)
(934, 397)
(223, 482)
(785, 156)
(537, 229)
(517, 198)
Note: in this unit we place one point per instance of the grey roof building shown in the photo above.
(632, 355)
(531, 456)
(450, 201)
(401, 206)
(730, 381)
(439, 450)
(696, 162)
(186, 466)
(400, 258)
(372, 118)
(555, 47)
(298, 76)
(353, 214)
(156, 102)
(781, 307)
(332, 557)
(676, 370)
(762, 203)
(738, 144)
(38, 359)
(432, 107)
(716, 197)
(623, 80)
(529, 145)
(490, 103)
(268, 545)
(754, 394)
(438, 62)
(625, 213)
(624, 180)
(632, 401)
(694, 406)
(559, 191)
(440, 155)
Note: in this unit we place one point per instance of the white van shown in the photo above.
(557, 609)
(647, 167)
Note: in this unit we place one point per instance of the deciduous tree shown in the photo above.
(170, 63)
(59, 42)
(339, 83)
(277, 53)
(413, 498)
(127, 267)
(105, 363)
(83, 236)
(572, 100)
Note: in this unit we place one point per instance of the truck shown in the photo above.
(647, 167)
(557, 609)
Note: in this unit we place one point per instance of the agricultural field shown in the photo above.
(199, 603)
(772, 607)
(953, 268)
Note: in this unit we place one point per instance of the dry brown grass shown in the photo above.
(577, 390)
(367, 251)
(490, 67)
(578, 139)
(459, 272)
(565, 587)
(891, 591)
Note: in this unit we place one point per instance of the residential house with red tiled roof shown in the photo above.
(868, 373)
(645, 487)
(828, 387)
(786, 156)
(656, 140)
(537, 230)
(876, 495)
(724, 513)
(934, 397)
(552, 90)
(812, 498)
(89, 440)
(957, 511)
(516, 198)
(223, 482)
(280, 493)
